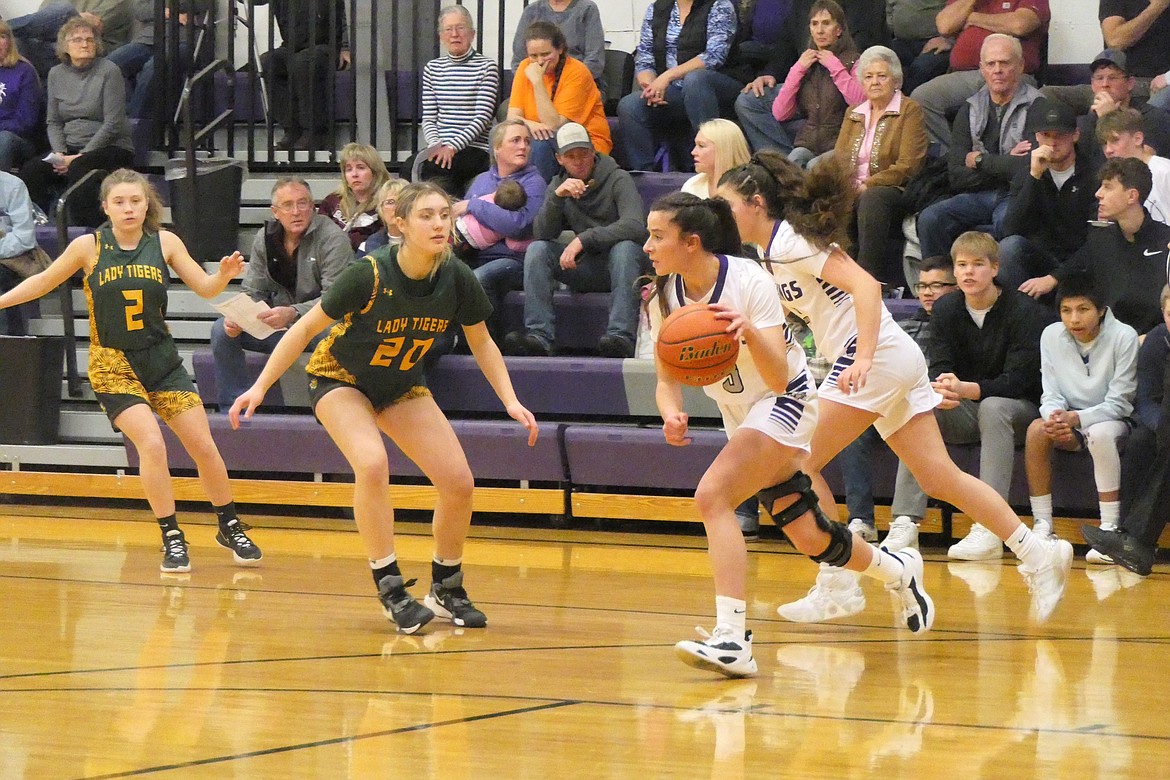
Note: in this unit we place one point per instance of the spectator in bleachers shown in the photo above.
(353, 206)
(87, 123)
(985, 360)
(1050, 203)
(1112, 90)
(865, 20)
(719, 147)
(38, 31)
(971, 23)
(315, 43)
(1126, 255)
(295, 258)
(1122, 134)
(458, 102)
(989, 146)
(20, 103)
(682, 47)
(936, 278)
(883, 142)
(1140, 29)
(20, 256)
(821, 85)
(137, 60)
(1145, 464)
(500, 268)
(387, 201)
(599, 203)
(578, 20)
(1088, 367)
(551, 89)
(924, 53)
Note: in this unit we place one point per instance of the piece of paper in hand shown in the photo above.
(243, 311)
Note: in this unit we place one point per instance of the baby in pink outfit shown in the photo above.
(471, 234)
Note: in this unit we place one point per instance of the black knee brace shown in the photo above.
(840, 547)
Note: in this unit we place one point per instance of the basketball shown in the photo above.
(694, 347)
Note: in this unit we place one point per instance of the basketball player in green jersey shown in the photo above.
(366, 378)
(134, 368)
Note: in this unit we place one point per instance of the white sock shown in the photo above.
(382, 563)
(447, 561)
(884, 567)
(731, 612)
(1041, 507)
(1027, 546)
(1110, 515)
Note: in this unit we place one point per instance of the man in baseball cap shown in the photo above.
(1050, 204)
(1113, 85)
(597, 201)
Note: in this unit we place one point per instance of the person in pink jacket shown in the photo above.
(822, 84)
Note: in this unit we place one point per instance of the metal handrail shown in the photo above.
(73, 377)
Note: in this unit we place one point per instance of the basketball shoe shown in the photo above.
(400, 606)
(1046, 582)
(448, 599)
(863, 529)
(836, 594)
(1042, 527)
(978, 545)
(903, 533)
(175, 558)
(231, 535)
(917, 606)
(720, 651)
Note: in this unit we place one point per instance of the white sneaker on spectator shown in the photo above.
(1042, 527)
(836, 594)
(903, 533)
(864, 529)
(978, 545)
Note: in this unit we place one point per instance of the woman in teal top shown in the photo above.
(134, 368)
(385, 312)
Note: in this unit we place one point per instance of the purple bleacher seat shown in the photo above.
(1067, 74)
(203, 364)
(581, 317)
(248, 107)
(652, 186)
(47, 238)
(297, 444)
(625, 456)
(901, 308)
(403, 85)
(584, 386)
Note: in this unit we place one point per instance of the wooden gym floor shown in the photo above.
(108, 669)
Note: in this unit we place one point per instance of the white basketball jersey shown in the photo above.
(747, 288)
(796, 265)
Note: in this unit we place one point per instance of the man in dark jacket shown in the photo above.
(1126, 254)
(598, 202)
(315, 43)
(1050, 203)
(985, 360)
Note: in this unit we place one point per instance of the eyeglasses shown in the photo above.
(388, 203)
(82, 40)
(458, 29)
(934, 287)
(294, 207)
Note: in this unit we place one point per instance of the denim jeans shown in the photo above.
(1021, 259)
(704, 94)
(616, 271)
(231, 373)
(760, 127)
(941, 223)
(498, 277)
(36, 34)
(14, 150)
(544, 157)
(856, 462)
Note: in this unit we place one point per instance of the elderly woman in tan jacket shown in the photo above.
(883, 143)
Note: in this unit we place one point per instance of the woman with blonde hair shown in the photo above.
(387, 203)
(354, 204)
(20, 110)
(134, 367)
(365, 383)
(719, 147)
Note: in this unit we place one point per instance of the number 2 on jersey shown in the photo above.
(389, 349)
(133, 309)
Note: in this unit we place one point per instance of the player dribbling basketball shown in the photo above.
(768, 404)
